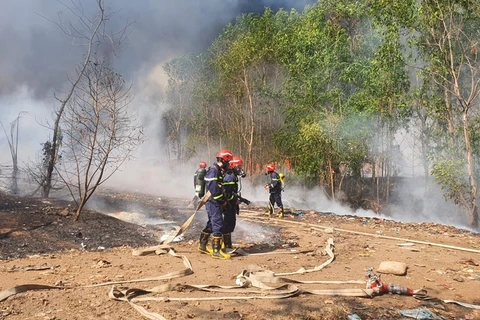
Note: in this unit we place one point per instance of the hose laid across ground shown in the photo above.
(323, 228)
(250, 284)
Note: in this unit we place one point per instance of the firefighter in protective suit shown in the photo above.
(199, 184)
(215, 206)
(231, 184)
(274, 187)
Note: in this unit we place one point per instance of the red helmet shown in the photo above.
(270, 167)
(202, 164)
(225, 155)
(236, 161)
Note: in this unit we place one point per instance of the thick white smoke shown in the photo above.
(37, 59)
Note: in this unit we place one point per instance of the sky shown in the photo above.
(37, 58)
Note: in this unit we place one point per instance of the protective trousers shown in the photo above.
(230, 217)
(215, 218)
(276, 198)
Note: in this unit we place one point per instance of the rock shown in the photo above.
(392, 267)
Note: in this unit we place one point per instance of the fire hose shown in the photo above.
(247, 279)
(374, 282)
(323, 228)
(250, 284)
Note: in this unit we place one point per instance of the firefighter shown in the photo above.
(274, 186)
(215, 206)
(199, 184)
(231, 183)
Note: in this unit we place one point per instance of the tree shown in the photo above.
(450, 44)
(100, 133)
(325, 60)
(250, 79)
(185, 75)
(37, 169)
(13, 145)
(90, 33)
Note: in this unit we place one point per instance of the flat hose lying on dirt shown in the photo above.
(252, 284)
(323, 228)
(247, 279)
(249, 283)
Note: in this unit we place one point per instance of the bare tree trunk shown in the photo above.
(473, 211)
(79, 210)
(251, 133)
(101, 132)
(13, 145)
(331, 178)
(56, 138)
(449, 116)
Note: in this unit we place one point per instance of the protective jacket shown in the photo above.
(214, 184)
(230, 184)
(274, 185)
(217, 200)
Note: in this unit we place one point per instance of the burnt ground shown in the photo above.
(39, 226)
(35, 232)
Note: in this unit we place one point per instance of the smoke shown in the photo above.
(37, 54)
(37, 59)
(32, 112)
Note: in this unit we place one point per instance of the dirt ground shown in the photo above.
(39, 244)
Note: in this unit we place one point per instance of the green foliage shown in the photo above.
(449, 175)
(192, 88)
(392, 12)
(249, 81)
(334, 84)
(329, 63)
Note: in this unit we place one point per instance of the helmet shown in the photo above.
(202, 164)
(225, 155)
(270, 167)
(236, 165)
(236, 161)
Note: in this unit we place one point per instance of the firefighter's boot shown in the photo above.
(217, 249)
(280, 213)
(202, 246)
(227, 243)
(269, 211)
